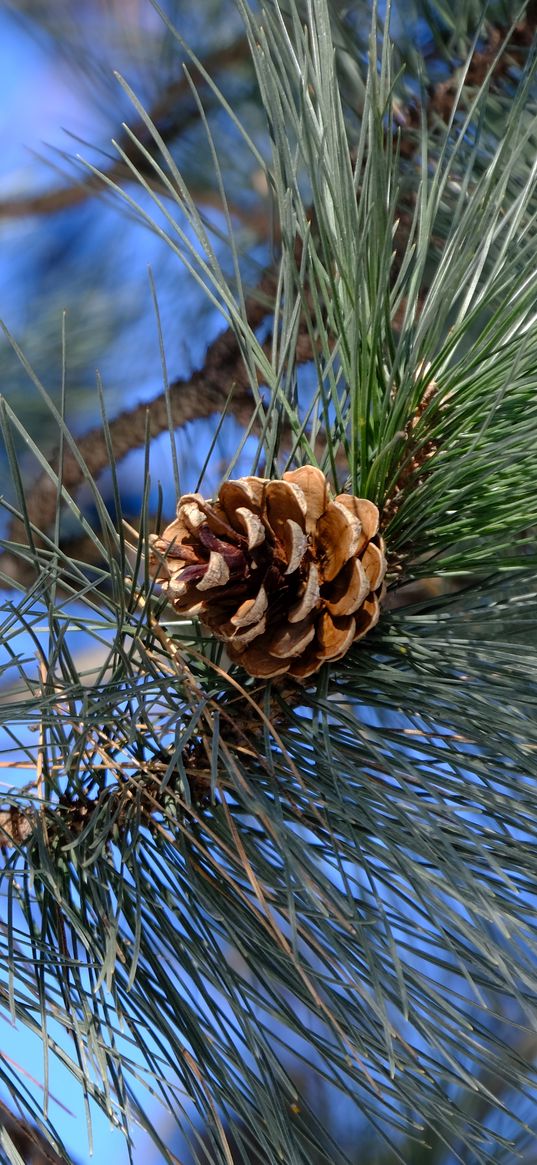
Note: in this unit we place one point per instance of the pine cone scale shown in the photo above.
(374, 565)
(335, 634)
(255, 530)
(295, 545)
(241, 635)
(348, 590)
(313, 484)
(367, 617)
(216, 574)
(309, 598)
(251, 611)
(292, 640)
(337, 539)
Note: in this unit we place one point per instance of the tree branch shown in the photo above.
(222, 381)
(165, 114)
(29, 1142)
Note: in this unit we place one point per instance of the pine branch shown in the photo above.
(207, 391)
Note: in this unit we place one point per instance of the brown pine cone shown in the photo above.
(285, 576)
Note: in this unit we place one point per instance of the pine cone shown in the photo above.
(285, 576)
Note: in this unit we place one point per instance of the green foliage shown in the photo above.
(215, 879)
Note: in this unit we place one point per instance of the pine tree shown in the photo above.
(261, 892)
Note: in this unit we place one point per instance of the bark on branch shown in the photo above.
(29, 1142)
(172, 113)
(222, 381)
